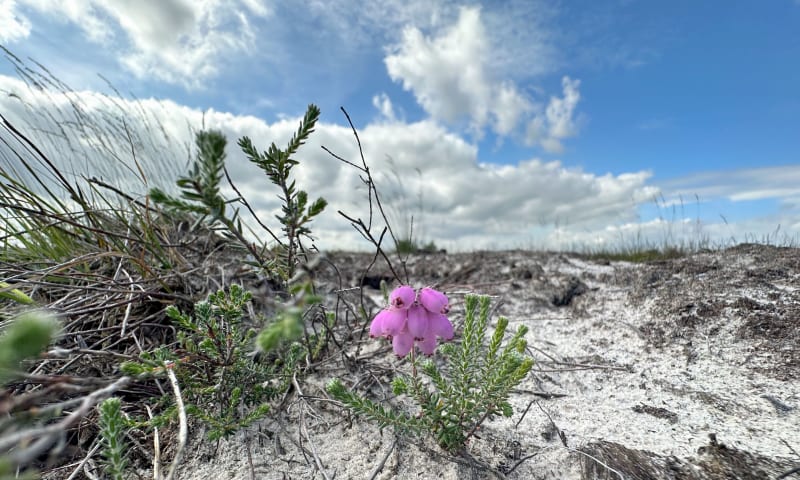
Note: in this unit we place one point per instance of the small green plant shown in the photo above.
(200, 191)
(296, 212)
(13, 294)
(201, 196)
(405, 247)
(225, 386)
(25, 338)
(287, 325)
(112, 432)
(454, 399)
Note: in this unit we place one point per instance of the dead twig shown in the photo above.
(83, 462)
(790, 472)
(381, 464)
(47, 435)
(183, 430)
(304, 430)
(541, 394)
(524, 413)
(606, 466)
(794, 470)
(156, 448)
(560, 432)
(521, 461)
(317, 460)
(575, 367)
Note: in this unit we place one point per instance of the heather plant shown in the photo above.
(91, 244)
(201, 196)
(215, 334)
(224, 385)
(296, 211)
(454, 397)
(112, 437)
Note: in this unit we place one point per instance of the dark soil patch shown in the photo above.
(609, 460)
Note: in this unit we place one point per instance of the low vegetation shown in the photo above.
(146, 335)
(126, 317)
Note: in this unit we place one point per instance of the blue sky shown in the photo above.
(573, 122)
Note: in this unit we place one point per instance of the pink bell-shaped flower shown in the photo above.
(402, 297)
(427, 345)
(402, 344)
(434, 301)
(388, 323)
(407, 321)
(439, 326)
(417, 321)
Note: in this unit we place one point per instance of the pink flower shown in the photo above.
(427, 345)
(417, 321)
(388, 323)
(434, 301)
(406, 322)
(402, 297)
(402, 344)
(439, 326)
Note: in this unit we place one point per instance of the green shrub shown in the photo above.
(472, 386)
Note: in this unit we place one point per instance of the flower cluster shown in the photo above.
(413, 317)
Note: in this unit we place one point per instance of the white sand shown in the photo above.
(717, 391)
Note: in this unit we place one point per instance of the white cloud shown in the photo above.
(446, 74)
(13, 25)
(746, 184)
(509, 107)
(517, 30)
(761, 194)
(560, 110)
(457, 201)
(557, 122)
(452, 77)
(384, 105)
(178, 41)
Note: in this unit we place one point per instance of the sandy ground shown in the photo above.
(687, 368)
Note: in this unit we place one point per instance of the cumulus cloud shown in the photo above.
(178, 41)
(451, 76)
(13, 26)
(446, 73)
(557, 122)
(422, 170)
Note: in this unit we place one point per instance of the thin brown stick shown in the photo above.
(560, 432)
(521, 461)
(524, 413)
